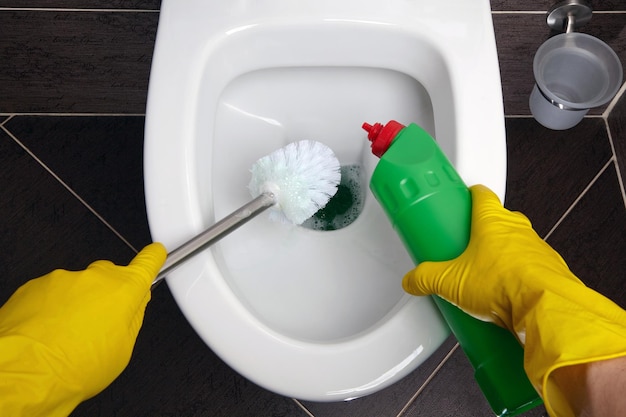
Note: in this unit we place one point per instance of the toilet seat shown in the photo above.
(186, 86)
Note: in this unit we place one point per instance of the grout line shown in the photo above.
(621, 182)
(68, 188)
(518, 12)
(613, 103)
(430, 378)
(582, 194)
(76, 114)
(617, 164)
(544, 12)
(303, 407)
(609, 11)
(61, 9)
(7, 119)
(530, 116)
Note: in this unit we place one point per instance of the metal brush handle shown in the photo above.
(214, 233)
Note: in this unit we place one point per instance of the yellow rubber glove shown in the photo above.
(66, 336)
(510, 276)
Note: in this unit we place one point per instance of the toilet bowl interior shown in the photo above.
(316, 315)
(259, 94)
(308, 284)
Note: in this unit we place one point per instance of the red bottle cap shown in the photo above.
(382, 136)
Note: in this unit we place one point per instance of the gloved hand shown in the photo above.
(508, 275)
(66, 336)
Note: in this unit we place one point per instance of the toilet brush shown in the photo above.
(295, 181)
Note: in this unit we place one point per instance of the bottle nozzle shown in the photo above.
(382, 136)
(372, 131)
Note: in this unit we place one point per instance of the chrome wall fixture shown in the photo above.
(574, 72)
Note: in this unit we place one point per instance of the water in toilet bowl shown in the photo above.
(364, 260)
(345, 206)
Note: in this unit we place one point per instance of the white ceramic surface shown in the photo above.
(308, 314)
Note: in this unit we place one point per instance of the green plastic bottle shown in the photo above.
(430, 208)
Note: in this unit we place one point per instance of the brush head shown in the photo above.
(302, 177)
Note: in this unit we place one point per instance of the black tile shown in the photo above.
(453, 392)
(100, 158)
(84, 4)
(43, 227)
(592, 238)
(548, 170)
(518, 36)
(173, 373)
(87, 62)
(545, 5)
(520, 5)
(389, 401)
(617, 124)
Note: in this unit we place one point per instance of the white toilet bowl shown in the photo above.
(315, 315)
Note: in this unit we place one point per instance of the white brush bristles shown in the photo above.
(303, 176)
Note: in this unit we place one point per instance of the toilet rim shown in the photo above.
(478, 85)
(333, 371)
(296, 358)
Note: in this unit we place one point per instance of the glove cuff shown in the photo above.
(571, 326)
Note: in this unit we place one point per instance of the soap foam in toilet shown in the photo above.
(345, 206)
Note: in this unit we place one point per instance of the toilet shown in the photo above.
(312, 314)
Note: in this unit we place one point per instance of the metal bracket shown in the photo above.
(565, 16)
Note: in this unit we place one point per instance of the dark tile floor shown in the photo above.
(72, 193)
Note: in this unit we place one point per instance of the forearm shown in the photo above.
(595, 389)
